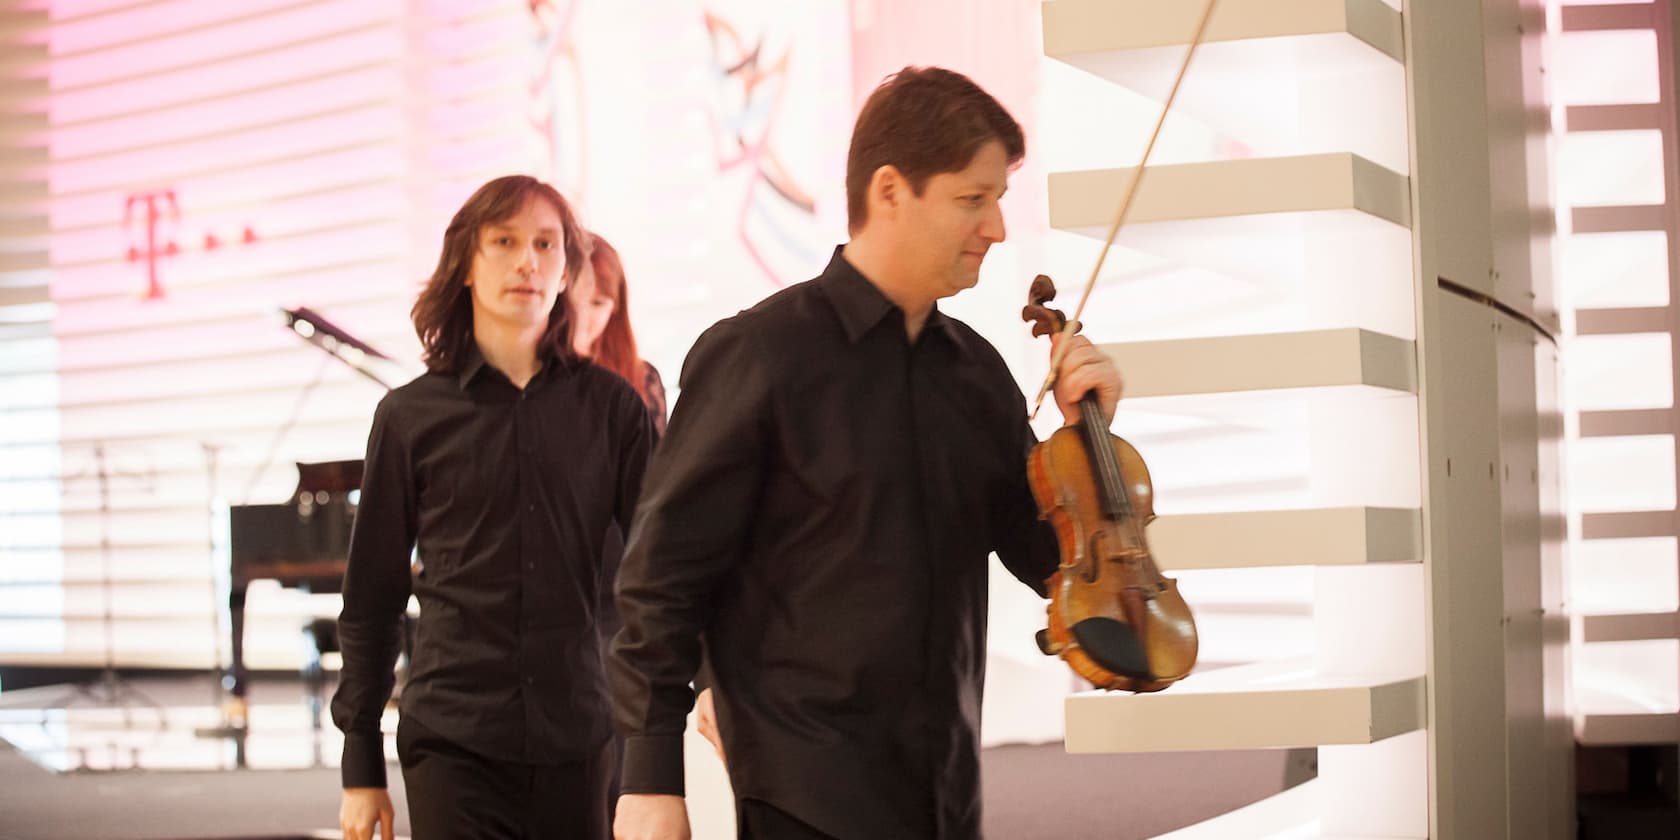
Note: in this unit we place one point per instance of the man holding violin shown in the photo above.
(843, 460)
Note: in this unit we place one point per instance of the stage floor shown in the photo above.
(173, 724)
(97, 772)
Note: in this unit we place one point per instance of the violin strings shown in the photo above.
(1114, 484)
(1112, 477)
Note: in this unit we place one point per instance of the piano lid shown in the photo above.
(336, 342)
(329, 476)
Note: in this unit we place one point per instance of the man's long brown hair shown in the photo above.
(923, 121)
(615, 350)
(443, 312)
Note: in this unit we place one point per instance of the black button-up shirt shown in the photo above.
(819, 515)
(509, 495)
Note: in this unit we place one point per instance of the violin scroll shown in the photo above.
(1045, 321)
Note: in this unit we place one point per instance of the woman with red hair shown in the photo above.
(602, 333)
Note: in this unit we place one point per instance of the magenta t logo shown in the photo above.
(157, 205)
(154, 219)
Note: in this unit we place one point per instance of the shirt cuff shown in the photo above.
(364, 760)
(653, 764)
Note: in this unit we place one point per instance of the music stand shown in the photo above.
(108, 689)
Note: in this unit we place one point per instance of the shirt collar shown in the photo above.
(861, 305)
(473, 363)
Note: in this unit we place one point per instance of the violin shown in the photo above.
(1113, 617)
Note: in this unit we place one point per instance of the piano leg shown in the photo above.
(235, 711)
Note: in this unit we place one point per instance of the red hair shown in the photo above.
(615, 350)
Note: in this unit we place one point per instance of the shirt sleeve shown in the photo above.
(1026, 543)
(635, 447)
(688, 535)
(636, 437)
(376, 591)
(656, 399)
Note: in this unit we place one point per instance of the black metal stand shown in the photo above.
(108, 689)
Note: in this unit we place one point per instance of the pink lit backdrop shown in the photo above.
(205, 163)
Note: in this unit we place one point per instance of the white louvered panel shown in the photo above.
(146, 167)
(284, 369)
(385, 241)
(249, 444)
(280, 26)
(27, 348)
(1617, 186)
(354, 206)
(351, 404)
(247, 186)
(200, 120)
(259, 332)
(339, 286)
(310, 125)
(325, 56)
(180, 482)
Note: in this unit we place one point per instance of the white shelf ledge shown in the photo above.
(1250, 539)
(1270, 361)
(1086, 201)
(1615, 525)
(1598, 18)
(1610, 712)
(1270, 72)
(1618, 117)
(1622, 320)
(1262, 217)
(1631, 218)
(1077, 27)
(1630, 627)
(1623, 729)
(1638, 421)
(1265, 705)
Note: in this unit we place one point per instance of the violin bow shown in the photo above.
(1125, 209)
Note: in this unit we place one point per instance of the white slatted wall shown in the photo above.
(28, 359)
(1616, 171)
(290, 153)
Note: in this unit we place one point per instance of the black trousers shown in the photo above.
(760, 820)
(457, 794)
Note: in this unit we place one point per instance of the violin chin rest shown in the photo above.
(1114, 646)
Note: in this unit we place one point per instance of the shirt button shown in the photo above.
(530, 565)
(530, 680)
(531, 508)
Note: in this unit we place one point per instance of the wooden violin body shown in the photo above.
(1113, 617)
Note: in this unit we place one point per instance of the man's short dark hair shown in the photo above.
(923, 121)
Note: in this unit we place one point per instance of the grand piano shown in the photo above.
(304, 542)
